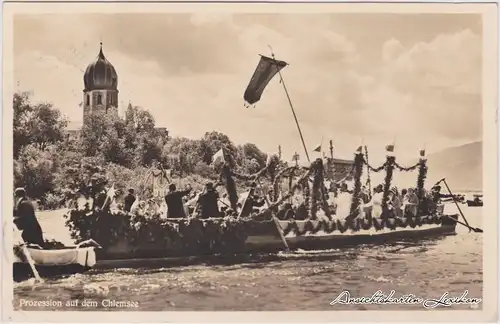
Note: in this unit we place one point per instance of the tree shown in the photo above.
(40, 124)
(36, 170)
(216, 141)
(252, 152)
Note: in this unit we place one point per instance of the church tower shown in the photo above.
(100, 94)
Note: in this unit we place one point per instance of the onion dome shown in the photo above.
(100, 74)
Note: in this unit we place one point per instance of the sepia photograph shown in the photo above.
(224, 158)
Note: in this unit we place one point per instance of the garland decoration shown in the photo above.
(306, 192)
(291, 172)
(230, 185)
(376, 170)
(422, 175)
(316, 186)
(301, 183)
(368, 179)
(190, 236)
(389, 169)
(406, 169)
(249, 177)
(358, 171)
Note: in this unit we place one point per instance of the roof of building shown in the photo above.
(100, 74)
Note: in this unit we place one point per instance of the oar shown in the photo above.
(27, 254)
(475, 229)
(277, 223)
(456, 204)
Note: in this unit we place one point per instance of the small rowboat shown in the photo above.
(475, 203)
(52, 263)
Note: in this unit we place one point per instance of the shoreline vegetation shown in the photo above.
(53, 163)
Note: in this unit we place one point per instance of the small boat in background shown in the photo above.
(476, 202)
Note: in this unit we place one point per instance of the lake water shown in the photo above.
(295, 281)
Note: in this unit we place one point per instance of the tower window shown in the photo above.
(87, 100)
(113, 82)
(99, 99)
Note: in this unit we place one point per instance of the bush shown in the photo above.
(36, 171)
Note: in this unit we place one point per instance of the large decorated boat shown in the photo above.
(140, 240)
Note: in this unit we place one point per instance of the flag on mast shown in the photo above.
(389, 149)
(319, 147)
(110, 195)
(218, 157)
(266, 69)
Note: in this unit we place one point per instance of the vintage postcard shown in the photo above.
(213, 162)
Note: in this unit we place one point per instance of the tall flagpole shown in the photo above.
(291, 106)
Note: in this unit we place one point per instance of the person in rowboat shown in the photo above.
(174, 201)
(25, 219)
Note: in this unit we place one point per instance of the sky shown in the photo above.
(369, 79)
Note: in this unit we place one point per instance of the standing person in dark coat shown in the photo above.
(129, 200)
(208, 201)
(251, 202)
(174, 201)
(25, 219)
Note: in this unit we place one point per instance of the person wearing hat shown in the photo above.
(396, 203)
(208, 202)
(251, 201)
(129, 200)
(25, 219)
(436, 196)
(175, 206)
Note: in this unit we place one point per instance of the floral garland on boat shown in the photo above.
(358, 172)
(269, 169)
(389, 169)
(300, 228)
(422, 175)
(189, 236)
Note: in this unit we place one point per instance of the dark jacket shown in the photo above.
(209, 206)
(25, 220)
(250, 203)
(175, 204)
(129, 201)
(436, 196)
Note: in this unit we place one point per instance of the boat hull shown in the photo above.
(472, 203)
(53, 263)
(263, 237)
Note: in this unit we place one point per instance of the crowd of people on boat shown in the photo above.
(208, 203)
(204, 204)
